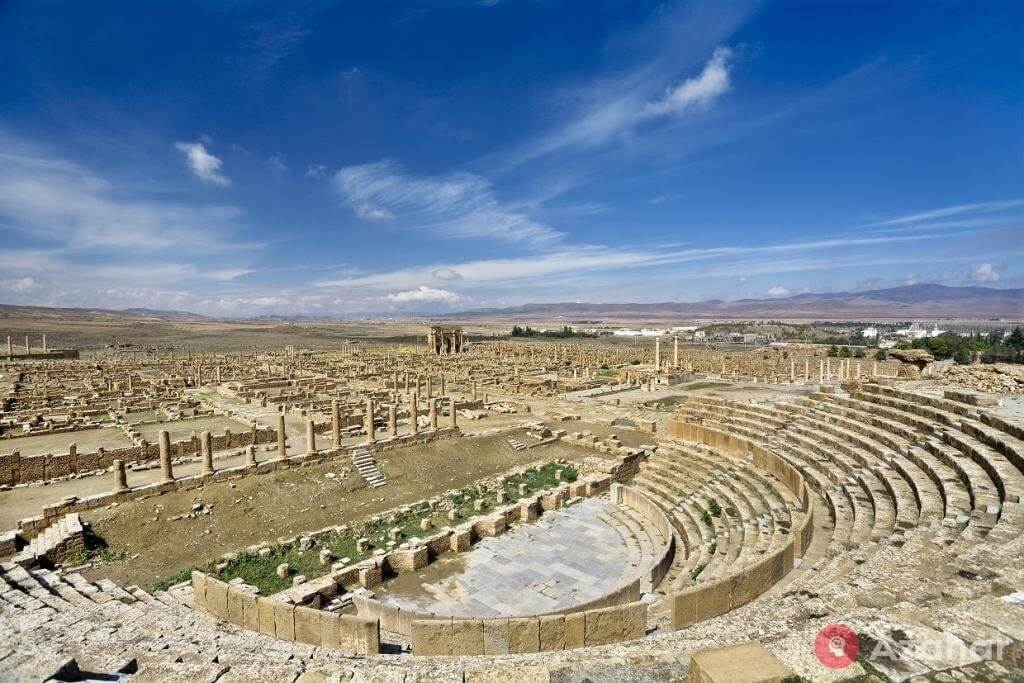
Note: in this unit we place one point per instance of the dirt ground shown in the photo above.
(283, 504)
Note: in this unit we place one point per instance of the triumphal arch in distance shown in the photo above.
(443, 339)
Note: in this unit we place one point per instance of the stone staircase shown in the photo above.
(54, 543)
(368, 468)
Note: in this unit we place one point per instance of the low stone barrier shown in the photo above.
(714, 598)
(546, 633)
(349, 634)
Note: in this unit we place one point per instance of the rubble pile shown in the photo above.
(999, 378)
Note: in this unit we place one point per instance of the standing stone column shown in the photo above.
(657, 354)
(120, 477)
(792, 370)
(442, 385)
(432, 407)
(821, 371)
(807, 370)
(414, 413)
(430, 387)
(675, 352)
(206, 444)
(310, 438)
(282, 448)
(10, 348)
(370, 429)
(335, 423)
(166, 471)
(392, 420)
(250, 456)
(44, 343)
(28, 349)
(454, 416)
(474, 390)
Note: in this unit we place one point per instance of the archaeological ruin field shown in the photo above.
(400, 501)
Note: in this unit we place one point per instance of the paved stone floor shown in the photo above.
(567, 557)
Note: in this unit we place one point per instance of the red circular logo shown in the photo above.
(836, 646)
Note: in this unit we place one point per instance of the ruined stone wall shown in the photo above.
(349, 634)
(547, 633)
(18, 469)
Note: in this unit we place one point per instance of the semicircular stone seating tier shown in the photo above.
(918, 529)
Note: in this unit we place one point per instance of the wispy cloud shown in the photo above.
(696, 92)
(945, 212)
(459, 205)
(204, 165)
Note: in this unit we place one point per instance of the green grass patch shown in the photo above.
(262, 571)
(168, 581)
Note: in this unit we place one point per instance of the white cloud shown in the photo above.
(277, 163)
(457, 205)
(697, 92)
(424, 293)
(22, 284)
(206, 166)
(984, 272)
(316, 171)
(778, 290)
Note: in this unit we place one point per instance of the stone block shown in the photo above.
(307, 625)
(235, 609)
(284, 621)
(370, 577)
(467, 637)
(496, 637)
(407, 561)
(432, 636)
(357, 635)
(552, 632)
(217, 597)
(199, 590)
(329, 630)
(747, 663)
(250, 612)
(265, 610)
(523, 635)
(615, 624)
(575, 630)
(461, 540)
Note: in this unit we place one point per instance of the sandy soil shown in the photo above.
(267, 507)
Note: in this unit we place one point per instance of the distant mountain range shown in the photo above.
(897, 303)
(139, 314)
(912, 301)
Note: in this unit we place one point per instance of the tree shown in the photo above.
(962, 357)
(844, 352)
(858, 352)
(833, 351)
(882, 355)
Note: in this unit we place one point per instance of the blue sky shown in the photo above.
(242, 158)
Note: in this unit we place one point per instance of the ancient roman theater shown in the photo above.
(493, 509)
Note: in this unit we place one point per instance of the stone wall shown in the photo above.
(51, 512)
(18, 469)
(349, 634)
(547, 633)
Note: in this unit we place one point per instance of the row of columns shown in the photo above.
(206, 440)
(28, 347)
